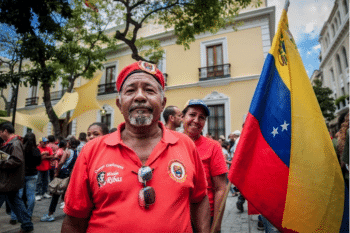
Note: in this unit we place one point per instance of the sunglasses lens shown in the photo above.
(147, 196)
(144, 174)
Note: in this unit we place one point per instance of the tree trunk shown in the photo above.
(65, 123)
(49, 110)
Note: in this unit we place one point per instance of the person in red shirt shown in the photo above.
(43, 169)
(210, 152)
(54, 148)
(143, 177)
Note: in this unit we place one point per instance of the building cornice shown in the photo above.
(336, 41)
(214, 82)
(330, 18)
(245, 17)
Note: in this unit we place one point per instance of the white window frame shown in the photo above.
(105, 66)
(109, 110)
(216, 98)
(203, 51)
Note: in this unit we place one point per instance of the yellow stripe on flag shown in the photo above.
(315, 194)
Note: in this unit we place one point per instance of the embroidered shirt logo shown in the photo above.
(177, 171)
(101, 181)
(108, 174)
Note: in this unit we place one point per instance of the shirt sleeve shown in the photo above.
(200, 183)
(50, 150)
(78, 199)
(217, 161)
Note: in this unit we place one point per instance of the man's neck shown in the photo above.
(170, 126)
(137, 132)
(193, 137)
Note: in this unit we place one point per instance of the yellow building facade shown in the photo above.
(222, 69)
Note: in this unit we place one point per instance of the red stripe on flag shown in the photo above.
(259, 174)
(251, 209)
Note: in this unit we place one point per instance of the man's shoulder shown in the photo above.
(182, 137)
(209, 141)
(95, 143)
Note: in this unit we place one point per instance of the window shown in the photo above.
(336, 23)
(34, 91)
(345, 58)
(339, 18)
(345, 5)
(332, 75)
(109, 79)
(214, 60)
(110, 74)
(339, 65)
(106, 116)
(333, 30)
(106, 119)
(216, 120)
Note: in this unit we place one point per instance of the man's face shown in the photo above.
(42, 144)
(194, 121)
(3, 135)
(177, 118)
(141, 101)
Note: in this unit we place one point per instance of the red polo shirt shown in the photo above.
(104, 185)
(45, 163)
(213, 161)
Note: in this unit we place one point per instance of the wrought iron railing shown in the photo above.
(214, 72)
(107, 88)
(32, 101)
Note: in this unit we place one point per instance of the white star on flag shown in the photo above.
(274, 132)
(284, 126)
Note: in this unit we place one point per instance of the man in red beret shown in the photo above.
(143, 177)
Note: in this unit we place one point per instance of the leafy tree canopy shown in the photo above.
(28, 16)
(187, 17)
(325, 100)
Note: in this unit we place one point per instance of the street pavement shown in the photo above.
(233, 220)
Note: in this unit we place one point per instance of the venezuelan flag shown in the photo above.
(285, 164)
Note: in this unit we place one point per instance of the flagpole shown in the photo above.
(286, 5)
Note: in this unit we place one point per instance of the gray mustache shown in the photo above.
(132, 108)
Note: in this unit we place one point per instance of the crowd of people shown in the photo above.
(143, 176)
(28, 165)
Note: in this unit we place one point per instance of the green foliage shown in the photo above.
(188, 18)
(84, 42)
(150, 49)
(21, 13)
(341, 99)
(326, 102)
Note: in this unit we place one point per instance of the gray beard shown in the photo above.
(141, 120)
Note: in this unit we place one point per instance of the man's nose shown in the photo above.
(140, 96)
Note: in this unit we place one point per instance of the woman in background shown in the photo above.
(97, 129)
(32, 158)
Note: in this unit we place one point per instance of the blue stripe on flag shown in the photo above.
(271, 107)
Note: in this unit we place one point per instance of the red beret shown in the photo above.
(143, 67)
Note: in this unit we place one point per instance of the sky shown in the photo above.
(306, 19)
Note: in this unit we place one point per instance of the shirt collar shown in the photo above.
(114, 138)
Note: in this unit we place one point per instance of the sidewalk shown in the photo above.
(233, 220)
(41, 208)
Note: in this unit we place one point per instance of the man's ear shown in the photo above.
(117, 101)
(164, 103)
